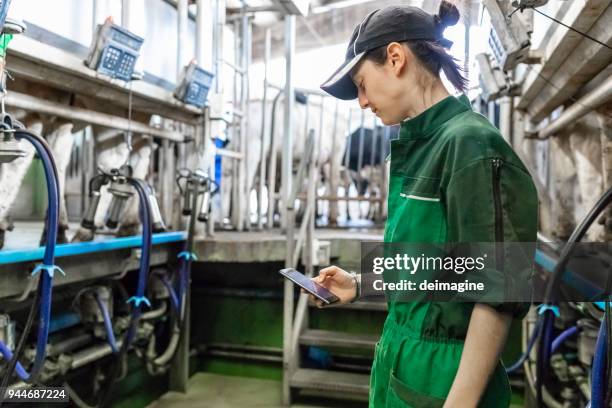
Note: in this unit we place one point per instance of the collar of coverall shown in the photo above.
(427, 122)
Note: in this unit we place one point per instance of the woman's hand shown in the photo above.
(339, 282)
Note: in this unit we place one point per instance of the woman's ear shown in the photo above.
(396, 57)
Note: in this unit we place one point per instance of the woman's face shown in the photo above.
(382, 87)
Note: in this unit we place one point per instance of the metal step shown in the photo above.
(327, 338)
(378, 306)
(340, 384)
(367, 305)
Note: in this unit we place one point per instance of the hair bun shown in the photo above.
(448, 14)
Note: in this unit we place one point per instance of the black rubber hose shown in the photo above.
(43, 145)
(21, 343)
(573, 240)
(555, 281)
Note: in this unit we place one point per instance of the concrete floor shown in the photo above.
(221, 391)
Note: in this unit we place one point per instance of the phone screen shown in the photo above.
(312, 287)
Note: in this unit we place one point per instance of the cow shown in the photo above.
(306, 117)
(59, 134)
(577, 176)
(367, 172)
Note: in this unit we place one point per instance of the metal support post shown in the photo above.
(181, 35)
(333, 206)
(505, 118)
(287, 159)
(244, 219)
(264, 134)
(125, 13)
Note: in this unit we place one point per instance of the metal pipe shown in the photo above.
(306, 91)
(229, 153)
(333, 207)
(347, 163)
(170, 350)
(505, 118)
(204, 28)
(31, 103)
(586, 104)
(218, 37)
(243, 347)
(235, 200)
(287, 220)
(245, 356)
(287, 159)
(272, 163)
(234, 67)
(69, 344)
(125, 14)
(264, 134)
(91, 354)
(32, 282)
(155, 313)
(182, 17)
(244, 219)
(95, 16)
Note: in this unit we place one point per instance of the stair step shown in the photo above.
(328, 338)
(333, 382)
(368, 305)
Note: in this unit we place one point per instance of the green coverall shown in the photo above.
(453, 179)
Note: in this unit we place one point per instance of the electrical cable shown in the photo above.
(573, 29)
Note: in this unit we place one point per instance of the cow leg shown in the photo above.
(61, 141)
(11, 177)
(130, 222)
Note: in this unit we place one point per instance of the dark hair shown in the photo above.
(431, 54)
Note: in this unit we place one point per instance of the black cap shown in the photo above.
(379, 28)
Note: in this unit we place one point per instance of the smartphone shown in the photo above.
(318, 291)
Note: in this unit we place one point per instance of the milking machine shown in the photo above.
(197, 189)
(11, 133)
(572, 338)
(121, 189)
(96, 303)
(46, 269)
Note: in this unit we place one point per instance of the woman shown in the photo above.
(453, 179)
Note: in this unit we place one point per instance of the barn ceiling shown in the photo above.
(329, 22)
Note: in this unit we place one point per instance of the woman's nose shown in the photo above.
(363, 101)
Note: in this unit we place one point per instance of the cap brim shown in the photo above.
(340, 84)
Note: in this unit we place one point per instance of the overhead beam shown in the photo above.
(31, 103)
(323, 29)
(38, 62)
(559, 43)
(586, 60)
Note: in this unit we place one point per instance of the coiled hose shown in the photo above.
(47, 269)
